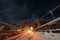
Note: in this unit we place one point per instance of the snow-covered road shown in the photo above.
(36, 36)
(32, 36)
(41, 36)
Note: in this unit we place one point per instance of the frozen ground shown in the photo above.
(50, 36)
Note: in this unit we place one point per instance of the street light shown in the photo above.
(18, 29)
(31, 28)
(29, 31)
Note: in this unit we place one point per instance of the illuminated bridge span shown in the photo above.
(48, 31)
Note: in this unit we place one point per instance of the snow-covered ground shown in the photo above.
(52, 26)
(37, 36)
(50, 36)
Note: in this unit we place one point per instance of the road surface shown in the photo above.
(29, 36)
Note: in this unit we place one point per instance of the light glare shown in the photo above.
(29, 31)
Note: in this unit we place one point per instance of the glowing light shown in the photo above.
(31, 28)
(18, 29)
(29, 31)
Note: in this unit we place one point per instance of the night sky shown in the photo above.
(15, 11)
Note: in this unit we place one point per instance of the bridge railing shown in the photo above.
(54, 24)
